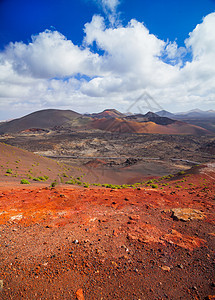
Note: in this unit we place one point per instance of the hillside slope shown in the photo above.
(123, 126)
(17, 164)
(43, 119)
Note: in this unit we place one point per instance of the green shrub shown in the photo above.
(154, 186)
(36, 179)
(9, 171)
(53, 184)
(150, 181)
(40, 178)
(181, 173)
(97, 184)
(24, 181)
(70, 182)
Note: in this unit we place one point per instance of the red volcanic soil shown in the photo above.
(99, 243)
(123, 126)
(34, 130)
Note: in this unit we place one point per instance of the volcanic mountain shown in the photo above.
(107, 113)
(108, 120)
(124, 126)
(150, 117)
(43, 119)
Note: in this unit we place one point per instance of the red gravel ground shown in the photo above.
(101, 243)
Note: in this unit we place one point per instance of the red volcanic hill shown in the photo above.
(43, 119)
(107, 113)
(124, 126)
(114, 121)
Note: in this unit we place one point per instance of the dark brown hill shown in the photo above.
(43, 119)
(150, 117)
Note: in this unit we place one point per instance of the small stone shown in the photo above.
(180, 266)
(75, 241)
(134, 217)
(166, 268)
(1, 285)
(79, 294)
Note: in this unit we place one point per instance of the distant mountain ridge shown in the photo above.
(107, 120)
(194, 113)
(205, 119)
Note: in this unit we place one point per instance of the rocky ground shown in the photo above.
(102, 243)
(96, 143)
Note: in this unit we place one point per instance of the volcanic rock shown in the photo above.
(187, 214)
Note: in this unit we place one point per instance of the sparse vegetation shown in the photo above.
(53, 184)
(181, 173)
(41, 178)
(154, 186)
(9, 171)
(24, 181)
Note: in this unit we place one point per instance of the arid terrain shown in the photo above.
(90, 214)
(119, 157)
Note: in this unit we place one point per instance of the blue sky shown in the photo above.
(167, 19)
(80, 63)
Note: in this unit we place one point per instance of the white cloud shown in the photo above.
(109, 7)
(202, 38)
(130, 52)
(50, 54)
(44, 73)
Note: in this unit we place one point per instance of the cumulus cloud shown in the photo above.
(53, 72)
(50, 54)
(132, 53)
